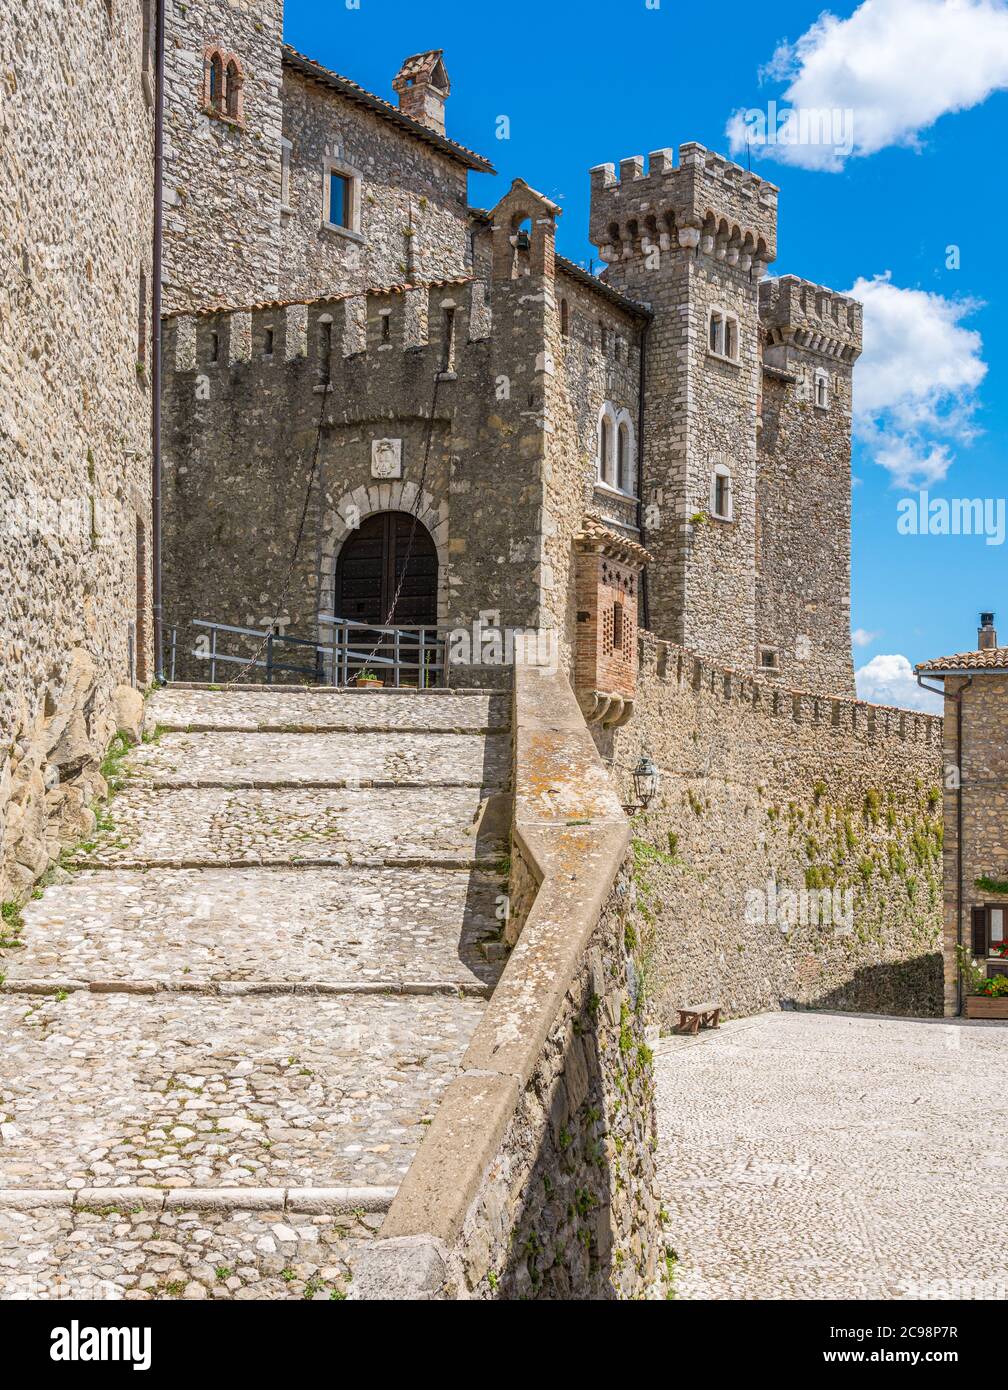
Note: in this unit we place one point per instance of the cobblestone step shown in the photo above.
(111, 1248)
(175, 1091)
(239, 759)
(226, 1030)
(305, 709)
(319, 928)
(192, 827)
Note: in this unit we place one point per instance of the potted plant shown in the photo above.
(367, 679)
(985, 997)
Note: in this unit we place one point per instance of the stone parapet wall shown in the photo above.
(767, 792)
(537, 1179)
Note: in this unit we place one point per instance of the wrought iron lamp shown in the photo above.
(646, 780)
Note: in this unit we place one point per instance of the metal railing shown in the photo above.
(411, 656)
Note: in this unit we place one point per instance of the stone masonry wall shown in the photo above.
(765, 786)
(804, 485)
(76, 232)
(983, 772)
(222, 177)
(414, 226)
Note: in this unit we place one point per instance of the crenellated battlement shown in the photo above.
(439, 319)
(798, 313)
(704, 201)
(849, 717)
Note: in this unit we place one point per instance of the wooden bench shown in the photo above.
(696, 1016)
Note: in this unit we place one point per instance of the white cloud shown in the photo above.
(889, 680)
(916, 382)
(898, 65)
(861, 638)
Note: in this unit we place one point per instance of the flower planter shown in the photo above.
(369, 683)
(984, 1006)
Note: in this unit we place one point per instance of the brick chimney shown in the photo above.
(986, 636)
(423, 87)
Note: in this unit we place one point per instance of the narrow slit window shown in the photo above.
(386, 328)
(285, 167)
(605, 449)
(216, 82)
(617, 627)
(448, 347)
(214, 347)
(142, 320)
(622, 457)
(268, 342)
(564, 318)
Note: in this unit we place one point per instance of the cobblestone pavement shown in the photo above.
(228, 1025)
(331, 759)
(217, 825)
(185, 927)
(308, 709)
(808, 1155)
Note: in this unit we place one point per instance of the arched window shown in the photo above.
(605, 453)
(822, 389)
(623, 456)
(232, 88)
(215, 82)
(222, 85)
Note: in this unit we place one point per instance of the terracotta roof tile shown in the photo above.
(992, 659)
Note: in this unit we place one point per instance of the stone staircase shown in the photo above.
(228, 1024)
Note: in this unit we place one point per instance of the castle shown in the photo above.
(319, 240)
(377, 400)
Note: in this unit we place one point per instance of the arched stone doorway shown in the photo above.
(390, 552)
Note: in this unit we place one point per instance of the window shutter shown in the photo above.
(979, 931)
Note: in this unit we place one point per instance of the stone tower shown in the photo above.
(222, 152)
(693, 240)
(812, 338)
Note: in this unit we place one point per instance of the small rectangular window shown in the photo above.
(340, 193)
(767, 659)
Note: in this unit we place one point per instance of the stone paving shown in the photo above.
(331, 759)
(175, 1090)
(154, 826)
(807, 1155)
(228, 1021)
(293, 709)
(187, 927)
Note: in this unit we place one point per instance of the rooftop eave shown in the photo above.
(307, 67)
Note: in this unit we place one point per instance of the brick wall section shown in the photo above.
(76, 231)
(536, 1178)
(604, 585)
(983, 770)
(762, 784)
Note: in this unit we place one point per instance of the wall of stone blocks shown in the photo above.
(76, 232)
(767, 786)
(222, 178)
(983, 772)
(571, 1206)
(414, 224)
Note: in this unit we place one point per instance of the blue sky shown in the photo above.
(926, 81)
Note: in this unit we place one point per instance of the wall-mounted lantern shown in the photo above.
(646, 780)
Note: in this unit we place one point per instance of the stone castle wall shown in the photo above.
(982, 766)
(764, 785)
(76, 232)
